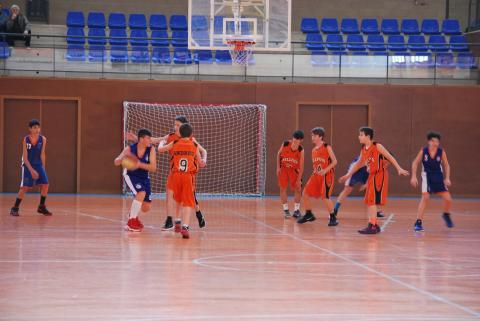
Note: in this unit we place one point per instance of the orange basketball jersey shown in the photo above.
(290, 158)
(184, 156)
(321, 158)
(374, 161)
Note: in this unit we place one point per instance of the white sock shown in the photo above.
(297, 206)
(285, 207)
(135, 209)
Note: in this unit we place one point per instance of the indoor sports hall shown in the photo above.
(239, 160)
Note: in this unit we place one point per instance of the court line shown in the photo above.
(362, 266)
(387, 221)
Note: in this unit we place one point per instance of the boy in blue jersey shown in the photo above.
(33, 168)
(137, 178)
(435, 178)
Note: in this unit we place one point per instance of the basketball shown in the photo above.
(129, 163)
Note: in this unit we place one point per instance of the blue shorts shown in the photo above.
(137, 184)
(433, 183)
(359, 177)
(27, 179)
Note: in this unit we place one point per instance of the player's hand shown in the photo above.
(362, 188)
(447, 182)
(343, 179)
(201, 163)
(414, 181)
(403, 172)
(131, 137)
(322, 172)
(34, 174)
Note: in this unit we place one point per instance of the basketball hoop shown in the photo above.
(240, 51)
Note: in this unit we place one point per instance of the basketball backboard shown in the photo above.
(212, 23)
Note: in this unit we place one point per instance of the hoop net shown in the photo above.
(241, 51)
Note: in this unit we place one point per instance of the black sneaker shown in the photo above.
(333, 220)
(379, 229)
(168, 224)
(370, 229)
(201, 219)
(380, 215)
(297, 214)
(308, 217)
(14, 211)
(42, 209)
(286, 213)
(418, 227)
(448, 220)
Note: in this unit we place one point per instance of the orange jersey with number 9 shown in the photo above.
(183, 154)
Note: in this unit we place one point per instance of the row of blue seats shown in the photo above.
(118, 20)
(463, 60)
(388, 26)
(160, 55)
(396, 43)
(4, 50)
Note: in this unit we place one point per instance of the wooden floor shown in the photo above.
(249, 264)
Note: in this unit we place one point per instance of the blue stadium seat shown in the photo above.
(199, 22)
(329, 25)
(180, 39)
(118, 37)
(444, 60)
(139, 37)
(437, 43)
(178, 22)
(458, 43)
(182, 56)
(314, 41)
(75, 19)
(96, 36)
(74, 53)
(451, 27)
(410, 27)
(309, 25)
(97, 53)
(376, 43)
(118, 54)
(6, 11)
(161, 55)
(423, 60)
(117, 20)
(158, 22)
(390, 27)
(160, 38)
(335, 43)
(370, 27)
(137, 21)
(222, 57)
(430, 27)
(218, 25)
(466, 60)
(75, 36)
(203, 57)
(396, 43)
(140, 55)
(417, 43)
(319, 58)
(201, 37)
(96, 20)
(355, 43)
(350, 26)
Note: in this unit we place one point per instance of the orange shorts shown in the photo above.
(319, 186)
(287, 175)
(377, 188)
(182, 185)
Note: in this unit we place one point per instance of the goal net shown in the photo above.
(233, 135)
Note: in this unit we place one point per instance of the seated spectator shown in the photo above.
(19, 26)
(3, 23)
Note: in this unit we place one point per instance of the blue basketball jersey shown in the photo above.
(432, 165)
(140, 173)
(34, 152)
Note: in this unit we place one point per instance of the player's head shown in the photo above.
(317, 134)
(433, 139)
(179, 121)
(144, 137)
(365, 134)
(186, 130)
(298, 136)
(34, 126)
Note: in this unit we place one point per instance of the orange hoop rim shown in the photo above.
(239, 45)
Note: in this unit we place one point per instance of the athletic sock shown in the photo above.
(42, 200)
(337, 207)
(297, 207)
(198, 213)
(308, 212)
(17, 202)
(135, 209)
(285, 207)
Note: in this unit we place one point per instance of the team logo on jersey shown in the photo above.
(438, 158)
(138, 186)
(426, 157)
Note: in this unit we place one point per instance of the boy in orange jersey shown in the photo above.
(320, 183)
(185, 161)
(373, 155)
(290, 161)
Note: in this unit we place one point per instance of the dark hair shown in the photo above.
(432, 135)
(298, 134)
(182, 119)
(319, 131)
(186, 130)
(368, 131)
(144, 132)
(33, 122)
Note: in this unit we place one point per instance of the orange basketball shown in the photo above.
(130, 163)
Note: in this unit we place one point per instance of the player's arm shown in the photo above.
(119, 158)
(279, 159)
(392, 160)
(332, 164)
(43, 155)
(165, 148)
(26, 161)
(198, 158)
(353, 169)
(416, 161)
(159, 140)
(131, 137)
(152, 167)
(446, 169)
(203, 151)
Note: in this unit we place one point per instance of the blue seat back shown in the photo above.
(96, 20)
(309, 25)
(137, 21)
(370, 26)
(117, 20)
(451, 27)
(430, 27)
(349, 26)
(390, 27)
(329, 25)
(158, 22)
(75, 19)
(410, 27)
(178, 22)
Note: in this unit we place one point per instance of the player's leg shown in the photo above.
(168, 225)
(198, 213)
(418, 226)
(297, 200)
(312, 189)
(134, 223)
(447, 203)
(185, 198)
(373, 196)
(347, 190)
(328, 183)
(42, 181)
(15, 210)
(283, 185)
